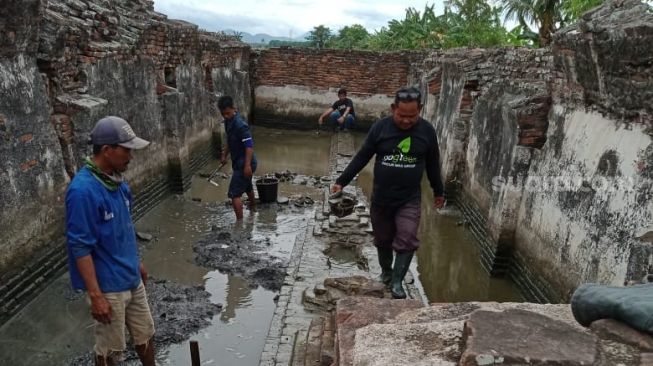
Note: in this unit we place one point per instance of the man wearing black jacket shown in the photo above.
(405, 145)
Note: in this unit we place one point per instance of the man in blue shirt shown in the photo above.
(243, 161)
(101, 240)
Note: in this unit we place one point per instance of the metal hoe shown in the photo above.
(210, 179)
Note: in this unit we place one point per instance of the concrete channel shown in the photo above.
(246, 320)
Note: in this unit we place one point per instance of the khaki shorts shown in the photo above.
(128, 308)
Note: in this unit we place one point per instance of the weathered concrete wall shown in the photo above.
(66, 64)
(529, 136)
(600, 144)
(456, 80)
(294, 86)
(32, 176)
(299, 107)
(490, 111)
(501, 146)
(585, 225)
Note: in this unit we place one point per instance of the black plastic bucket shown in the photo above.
(342, 207)
(267, 189)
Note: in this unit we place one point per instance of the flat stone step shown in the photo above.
(520, 337)
(328, 340)
(299, 348)
(353, 313)
(313, 356)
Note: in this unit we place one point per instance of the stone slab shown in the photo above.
(520, 337)
(462, 310)
(622, 333)
(428, 344)
(353, 313)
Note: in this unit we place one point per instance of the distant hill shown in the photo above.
(264, 37)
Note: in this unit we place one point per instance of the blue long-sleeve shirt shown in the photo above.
(98, 223)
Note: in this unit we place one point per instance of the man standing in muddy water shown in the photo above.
(243, 160)
(405, 145)
(102, 253)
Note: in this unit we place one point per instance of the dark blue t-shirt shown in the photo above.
(98, 223)
(238, 138)
(341, 105)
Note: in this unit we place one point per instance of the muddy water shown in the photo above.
(237, 335)
(448, 258)
(56, 327)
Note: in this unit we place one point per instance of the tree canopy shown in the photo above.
(319, 36)
(464, 23)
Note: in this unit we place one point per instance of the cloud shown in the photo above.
(371, 19)
(214, 21)
(286, 17)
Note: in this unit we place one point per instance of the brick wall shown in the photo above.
(529, 116)
(293, 86)
(358, 71)
(491, 111)
(64, 65)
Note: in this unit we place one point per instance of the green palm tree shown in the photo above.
(546, 14)
(418, 30)
(575, 8)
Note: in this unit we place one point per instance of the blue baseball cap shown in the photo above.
(114, 130)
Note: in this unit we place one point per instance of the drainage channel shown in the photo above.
(56, 329)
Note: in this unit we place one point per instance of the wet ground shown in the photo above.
(197, 242)
(198, 249)
(56, 329)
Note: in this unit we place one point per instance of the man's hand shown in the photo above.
(100, 308)
(143, 273)
(319, 120)
(341, 119)
(336, 188)
(247, 171)
(439, 202)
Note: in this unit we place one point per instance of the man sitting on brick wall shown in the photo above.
(341, 113)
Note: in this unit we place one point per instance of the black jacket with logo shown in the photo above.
(401, 157)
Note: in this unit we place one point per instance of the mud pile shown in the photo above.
(237, 254)
(178, 312)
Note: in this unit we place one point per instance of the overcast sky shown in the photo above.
(288, 17)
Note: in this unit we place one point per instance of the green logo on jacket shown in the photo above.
(404, 145)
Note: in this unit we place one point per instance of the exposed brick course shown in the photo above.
(362, 72)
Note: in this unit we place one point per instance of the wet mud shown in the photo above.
(185, 241)
(234, 250)
(314, 181)
(237, 253)
(178, 312)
